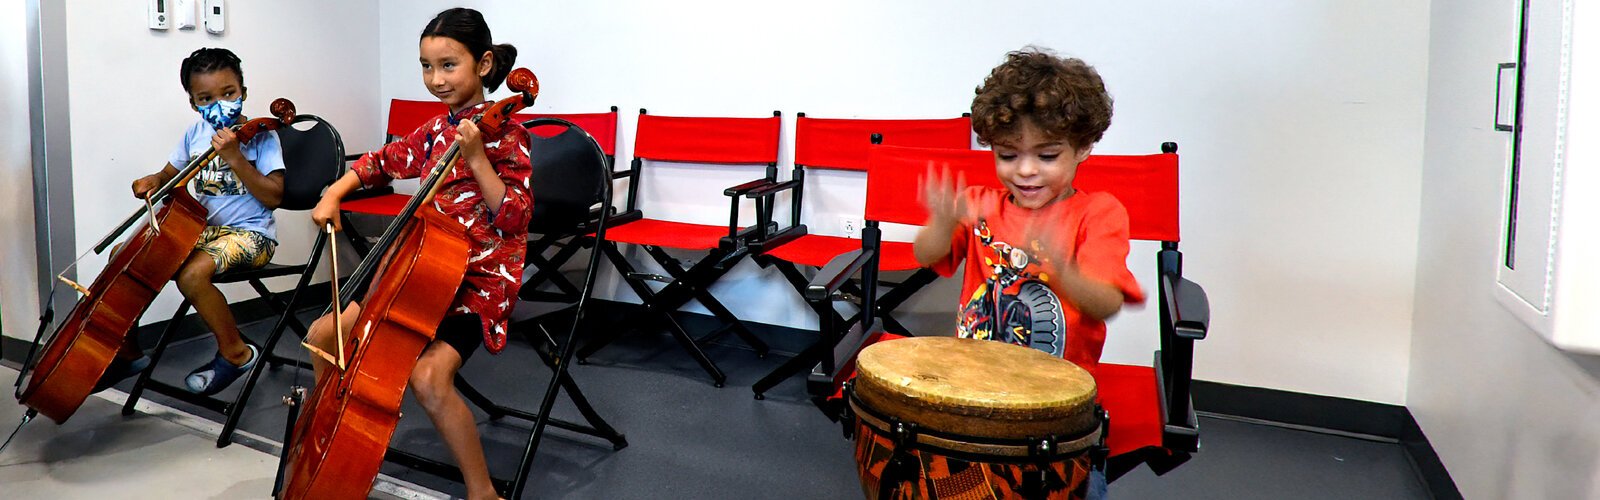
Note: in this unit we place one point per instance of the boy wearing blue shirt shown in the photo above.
(239, 189)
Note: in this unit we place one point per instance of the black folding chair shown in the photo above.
(314, 158)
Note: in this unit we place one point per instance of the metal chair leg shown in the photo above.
(155, 359)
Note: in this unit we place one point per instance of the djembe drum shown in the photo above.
(948, 418)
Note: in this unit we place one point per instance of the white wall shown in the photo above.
(1300, 126)
(128, 107)
(19, 301)
(1510, 416)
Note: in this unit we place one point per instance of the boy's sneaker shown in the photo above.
(121, 369)
(219, 374)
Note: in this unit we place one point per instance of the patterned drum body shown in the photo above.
(947, 418)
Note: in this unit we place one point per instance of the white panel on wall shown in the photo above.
(19, 301)
(1542, 271)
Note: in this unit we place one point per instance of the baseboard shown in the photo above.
(1332, 413)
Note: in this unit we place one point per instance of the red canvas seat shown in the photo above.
(733, 142)
(1152, 418)
(679, 235)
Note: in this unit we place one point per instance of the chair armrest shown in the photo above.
(353, 156)
(837, 273)
(770, 189)
(1187, 305)
(741, 189)
(368, 193)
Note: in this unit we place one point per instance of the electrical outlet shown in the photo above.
(850, 226)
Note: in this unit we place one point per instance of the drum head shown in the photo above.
(975, 388)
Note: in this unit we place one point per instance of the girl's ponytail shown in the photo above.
(505, 58)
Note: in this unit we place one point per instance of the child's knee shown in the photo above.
(430, 384)
(196, 271)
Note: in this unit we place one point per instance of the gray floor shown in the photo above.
(691, 440)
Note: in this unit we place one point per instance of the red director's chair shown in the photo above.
(702, 140)
(841, 145)
(1152, 418)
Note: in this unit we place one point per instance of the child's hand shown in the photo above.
(143, 186)
(1046, 243)
(225, 143)
(470, 141)
(326, 212)
(943, 196)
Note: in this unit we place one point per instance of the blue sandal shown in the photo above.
(120, 370)
(219, 374)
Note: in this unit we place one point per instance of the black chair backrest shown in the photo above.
(569, 180)
(313, 158)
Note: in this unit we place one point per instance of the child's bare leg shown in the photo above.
(433, 382)
(320, 335)
(194, 280)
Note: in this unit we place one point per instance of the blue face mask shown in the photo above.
(222, 113)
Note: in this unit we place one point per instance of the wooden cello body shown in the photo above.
(347, 421)
(82, 347)
(343, 433)
(92, 333)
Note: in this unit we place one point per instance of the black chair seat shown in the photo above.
(271, 270)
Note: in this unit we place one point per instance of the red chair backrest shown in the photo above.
(837, 143)
(707, 140)
(405, 115)
(894, 174)
(601, 126)
(1147, 185)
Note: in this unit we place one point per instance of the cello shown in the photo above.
(340, 439)
(82, 348)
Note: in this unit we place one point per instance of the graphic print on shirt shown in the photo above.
(1013, 304)
(216, 178)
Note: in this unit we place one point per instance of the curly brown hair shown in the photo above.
(1064, 97)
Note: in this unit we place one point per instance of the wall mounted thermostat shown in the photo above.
(214, 16)
(183, 14)
(158, 14)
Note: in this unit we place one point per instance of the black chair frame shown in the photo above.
(693, 283)
(831, 324)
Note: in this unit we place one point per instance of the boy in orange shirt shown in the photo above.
(1046, 263)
